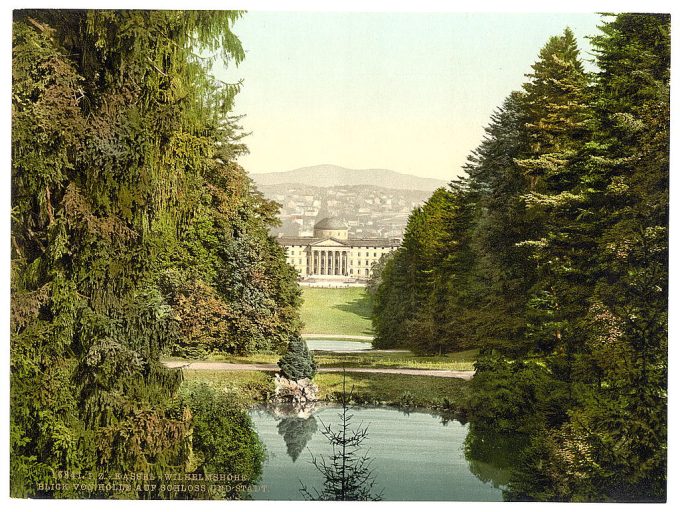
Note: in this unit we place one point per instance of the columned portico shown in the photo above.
(327, 262)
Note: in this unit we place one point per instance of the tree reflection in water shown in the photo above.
(492, 455)
(296, 432)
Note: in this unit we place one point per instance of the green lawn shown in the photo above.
(399, 390)
(454, 361)
(248, 387)
(372, 359)
(344, 311)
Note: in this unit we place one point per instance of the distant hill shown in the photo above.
(333, 175)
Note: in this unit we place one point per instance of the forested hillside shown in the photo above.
(551, 257)
(134, 234)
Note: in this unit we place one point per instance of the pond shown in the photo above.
(414, 455)
(338, 345)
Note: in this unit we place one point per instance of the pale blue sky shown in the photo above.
(404, 91)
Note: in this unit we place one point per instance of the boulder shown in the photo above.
(295, 391)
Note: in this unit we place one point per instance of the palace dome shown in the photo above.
(330, 223)
(331, 227)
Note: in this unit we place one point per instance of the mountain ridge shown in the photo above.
(330, 175)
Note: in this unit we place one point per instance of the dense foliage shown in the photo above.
(224, 442)
(134, 233)
(551, 257)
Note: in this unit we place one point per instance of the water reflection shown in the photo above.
(297, 432)
(416, 455)
(491, 456)
(337, 345)
(348, 472)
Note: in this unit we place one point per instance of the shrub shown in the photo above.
(223, 437)
(298, 362)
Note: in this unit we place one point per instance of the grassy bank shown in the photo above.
(448, 395)
(399, 390)
(373, 359)
(344, 311)
(247, 386)
(378, 359)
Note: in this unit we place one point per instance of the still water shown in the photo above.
(415, 456)
(338, 345)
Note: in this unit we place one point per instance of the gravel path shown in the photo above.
(227, 367)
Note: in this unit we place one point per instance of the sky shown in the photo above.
(410, 92)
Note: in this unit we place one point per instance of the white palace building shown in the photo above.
(330, 256)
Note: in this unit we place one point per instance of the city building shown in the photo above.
(331, 256)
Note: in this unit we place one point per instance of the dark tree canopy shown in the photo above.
(134, 234)
(551, 257)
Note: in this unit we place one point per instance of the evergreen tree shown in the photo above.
(399, 294)
(623, 415)
(552, 257)
(558, 116)
(418, 293)
(615, 440)
(505, 273)
(127, 204)
(347, 473)
(298, 363)
(375, 278)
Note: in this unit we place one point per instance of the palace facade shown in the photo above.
(330, 255)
